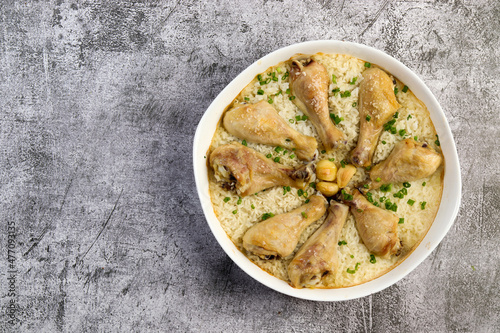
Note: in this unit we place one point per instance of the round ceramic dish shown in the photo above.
(450, 201)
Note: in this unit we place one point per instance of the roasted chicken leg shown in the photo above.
(249, 172)
(279, 235)
(377, 104)
(309, 84)
(408, 161)
(318, 256)
(261, 123)
(377, 227)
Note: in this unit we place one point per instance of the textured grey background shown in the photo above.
(99, 102)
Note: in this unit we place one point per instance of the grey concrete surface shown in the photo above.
(99, 102)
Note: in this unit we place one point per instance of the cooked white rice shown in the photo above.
(413, 117)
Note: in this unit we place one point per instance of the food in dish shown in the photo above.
(309, 91)
(279, 235)
(249, 172)
(318, 257)
(408, 161)
(412, 204)
(377, 105)
(260, 123)
(377, 227)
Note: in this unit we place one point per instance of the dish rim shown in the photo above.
(451, 195)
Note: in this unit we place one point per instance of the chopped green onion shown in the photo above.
(368, 168)
(409, 117)
(269, 155)
(313, 185)
(285, 76)
(353, 81)
(259, 77)
(304, 215)
(368, 118)
(247, 99)
(406, 185)
(288, 91)
(278, 69)
(346, 195)
(405, 89)
(244, 142)
(239, 201)
(300, 192)
(352, 271)
(291, 121)
(366, 186)
(410, 202)
(336, 119)
(276, 159)
(382, 199)
(398, 195)
(342, 242)
(345, 94)
(336, 90)
(437, 141)
(386, 187)
(278, 149)
(331, 159)
(265, 216)
(292, 156)
(297, 118)
(334, 78)
(354, 104)
(402, 132)
(401, 221)
(270, 101)
(342, 164)
(368, 65)
(396, 115)
(372, 259)
(288, 140)
(424, 183)
(260, 92)
(360, 210)
(383, 142)
(415, 138)
(278, 93)
(323, 151)
(235, 211)
(307, 201)
(291, 98)
(304, 117)
(226, 199)
(253, 207)
(377, 179)
(395, 90)
(422, 205)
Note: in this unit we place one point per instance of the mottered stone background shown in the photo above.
(99, 102)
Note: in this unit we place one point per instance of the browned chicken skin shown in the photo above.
(279, 235)
(309, 84)
(377, 227)
(250, 172)
(376, 100)
(318, 256)
(408, 161)
(260, 123)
